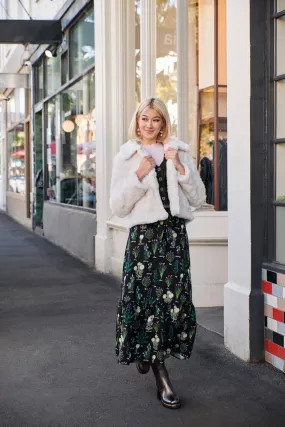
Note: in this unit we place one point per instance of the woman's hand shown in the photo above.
(172, 154)
(146, 165)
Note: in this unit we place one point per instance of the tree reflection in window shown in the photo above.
(166, 57)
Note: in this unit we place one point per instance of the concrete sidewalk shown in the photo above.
(57, 362)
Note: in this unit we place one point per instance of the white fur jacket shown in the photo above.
(139, 201)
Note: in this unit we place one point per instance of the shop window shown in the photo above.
(280, 5)
(71, 143)
(279, 131)
(16, 160)
(16, 107)
(196, 93)
(53, 75)
(207, 135)
(166, 57)
(82, 44)
(39, 81)
(212, 100)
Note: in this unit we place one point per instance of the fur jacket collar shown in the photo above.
(131, 147)
(139, 202)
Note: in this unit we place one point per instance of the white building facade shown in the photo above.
(204, 59)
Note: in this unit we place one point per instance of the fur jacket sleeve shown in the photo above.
(191, 183)
(126, 188)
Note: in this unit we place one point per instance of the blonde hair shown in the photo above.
(159, 106)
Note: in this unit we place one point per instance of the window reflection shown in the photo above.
(16, 107)
(82, 44)
(71, 145)
(39, 81)
(16, 160)
(166, 61)
(53, 75)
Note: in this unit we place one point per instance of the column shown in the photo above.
(130, 71)
(148, 48)
(193, 80)
(110, 112)
(182, 70)
(243, 299)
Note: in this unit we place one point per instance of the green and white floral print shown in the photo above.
(156, 316)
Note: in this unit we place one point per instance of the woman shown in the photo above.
(154, 185)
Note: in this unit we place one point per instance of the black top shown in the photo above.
(162, 182)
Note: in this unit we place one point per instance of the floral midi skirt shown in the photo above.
(156, 317)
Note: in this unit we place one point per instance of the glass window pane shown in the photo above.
(280, 234)
(71, 145)
(16, 107)
(82, 44)
(64, 68)
(206, 123)
(166, 57)
(53, 76)
(39, 81)
(280, 41)
(280, 172)
(280, 109)
(16, 160)
(53, 147)
(280, 5)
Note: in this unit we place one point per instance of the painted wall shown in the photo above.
(72, 229)
(17, 209)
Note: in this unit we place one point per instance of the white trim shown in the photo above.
(104, 126)
(182, 70)
(130, 72)
(118, 73)
(148, 48)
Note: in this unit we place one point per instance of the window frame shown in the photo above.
(270, 170)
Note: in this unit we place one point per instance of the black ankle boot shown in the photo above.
(165, 391)
(143, 367)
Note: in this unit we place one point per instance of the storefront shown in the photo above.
(255, 292)
(175, 50)
(16, 152)
(65, 138)
(219, 66)
(80, 108)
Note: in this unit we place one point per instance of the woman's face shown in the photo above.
(150, 124)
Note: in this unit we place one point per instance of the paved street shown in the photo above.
(57, 362)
